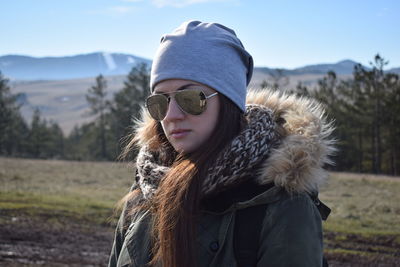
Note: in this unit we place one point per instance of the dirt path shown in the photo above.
(27, 243)
(33, 245)
(356, 250)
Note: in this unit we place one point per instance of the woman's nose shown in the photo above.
(174, 112)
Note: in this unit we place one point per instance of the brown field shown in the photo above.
(62, 101)
(60, 213)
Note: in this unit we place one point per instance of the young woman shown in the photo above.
(211, 170)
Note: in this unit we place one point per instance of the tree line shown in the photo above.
(365, 110)
(101, 139)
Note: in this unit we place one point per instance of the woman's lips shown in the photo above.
(179, 133)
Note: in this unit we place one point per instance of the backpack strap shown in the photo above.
(247, 231)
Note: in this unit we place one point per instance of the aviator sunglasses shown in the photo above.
(191, 101)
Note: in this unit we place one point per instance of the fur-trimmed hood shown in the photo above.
(296, 164)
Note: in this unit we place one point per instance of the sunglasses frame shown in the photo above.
(172, 94)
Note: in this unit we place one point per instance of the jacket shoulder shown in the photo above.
(291, 233)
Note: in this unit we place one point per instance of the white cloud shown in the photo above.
(182, 3)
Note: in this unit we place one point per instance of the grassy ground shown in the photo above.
(88, 189)
(59, 213)
(74, 202)
(365, 218)
(363, 203)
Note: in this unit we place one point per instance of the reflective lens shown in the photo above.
(192, 101)
(157, 105)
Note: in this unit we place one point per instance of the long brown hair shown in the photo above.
(175, 206)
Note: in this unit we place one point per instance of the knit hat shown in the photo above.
(207, 53)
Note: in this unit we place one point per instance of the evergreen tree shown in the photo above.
(366, 111)
(96, 97)
(391, 121)
(12, 125)
(56, 141)
(73, 144)
(371, 90)
(301, 90)
(278, 80)
(38, 136)
(332, 94)
(128, 102)
(80, 144)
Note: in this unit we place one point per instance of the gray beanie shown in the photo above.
(207, 53)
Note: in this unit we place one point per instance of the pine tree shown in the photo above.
(12, 125)
(371, 91)
(391, 121)
(128, 102)
(365, 110)
(38, 136)
(96, 97)
(56, 141)
(279, 80)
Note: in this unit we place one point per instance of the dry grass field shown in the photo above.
(363, 228)
(62, 101)
(60, 213)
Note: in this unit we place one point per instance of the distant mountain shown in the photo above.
(343, 67)
(19, 67)
(72, 67)
(395, 70)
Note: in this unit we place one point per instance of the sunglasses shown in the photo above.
(191, 101)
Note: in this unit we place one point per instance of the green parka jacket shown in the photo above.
(291, 232)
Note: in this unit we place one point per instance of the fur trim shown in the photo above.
(297, 163)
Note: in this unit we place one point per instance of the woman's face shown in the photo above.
(184, 131)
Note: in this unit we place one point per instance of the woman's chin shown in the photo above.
(183, 148)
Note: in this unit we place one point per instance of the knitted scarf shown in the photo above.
(234, 164)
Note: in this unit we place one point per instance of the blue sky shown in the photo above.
(277, 33)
